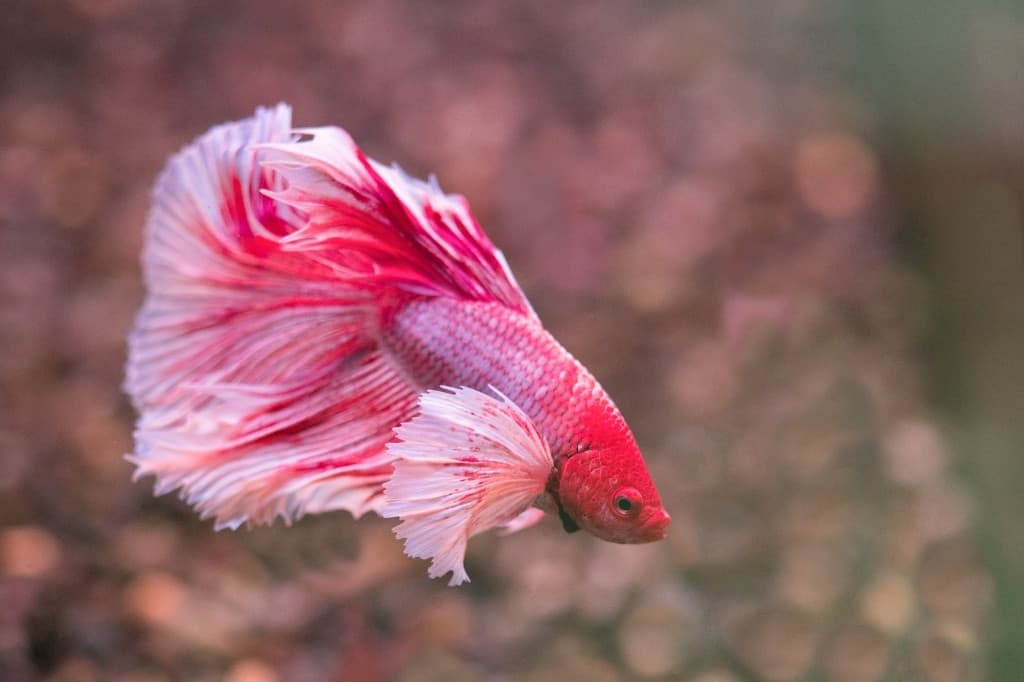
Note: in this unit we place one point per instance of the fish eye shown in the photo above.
(627, 502)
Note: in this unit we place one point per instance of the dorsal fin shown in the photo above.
(375, 226)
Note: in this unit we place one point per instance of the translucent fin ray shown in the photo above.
(468, 462)
(260, 389)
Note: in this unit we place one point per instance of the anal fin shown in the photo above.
(468, 462)
(527, 519)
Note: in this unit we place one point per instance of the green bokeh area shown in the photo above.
(946, 80)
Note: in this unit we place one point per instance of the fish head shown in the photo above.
(609, 493)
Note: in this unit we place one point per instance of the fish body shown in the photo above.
(323, 332)
(441, 342)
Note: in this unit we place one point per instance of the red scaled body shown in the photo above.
(440, 342)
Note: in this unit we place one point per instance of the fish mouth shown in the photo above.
(655, 527)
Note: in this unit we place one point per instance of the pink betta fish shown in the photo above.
(325, 332)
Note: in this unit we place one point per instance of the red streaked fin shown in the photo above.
(375, 226)
(466, 463)
(253, 365)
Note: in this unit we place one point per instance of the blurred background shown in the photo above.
(786, 236)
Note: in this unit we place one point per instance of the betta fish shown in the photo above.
(323, 332)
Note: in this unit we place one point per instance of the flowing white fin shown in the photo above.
(259, 387)
(466, 463)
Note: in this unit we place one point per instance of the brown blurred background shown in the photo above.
(785, 235)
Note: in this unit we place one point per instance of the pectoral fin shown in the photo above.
(568, 524)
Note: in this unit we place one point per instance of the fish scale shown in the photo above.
(441, 342)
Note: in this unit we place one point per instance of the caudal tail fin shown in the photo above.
(253, 363)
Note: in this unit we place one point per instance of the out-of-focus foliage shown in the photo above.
(785, 235)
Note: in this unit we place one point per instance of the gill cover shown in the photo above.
(609, 493)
